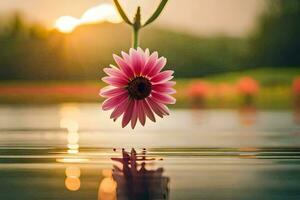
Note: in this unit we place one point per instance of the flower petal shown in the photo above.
(148, 110)
(114, 72)
(126, 57)
(142, 115)
(150, 63)
(114, 81)
(162, 76)
(140, 50)
(166, 84)
(155, 107)
(143, 54)
(163, 98)
(111, 92)
(163, 89)
(113, 101)
(128, 114)
(160, 63)
(163, 108)
(136, 62)
(120, 109)
(124, 66)
(147, 52)
(134, 114)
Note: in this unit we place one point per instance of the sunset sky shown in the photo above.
(201, 17)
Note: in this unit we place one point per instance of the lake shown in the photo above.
(74, 151)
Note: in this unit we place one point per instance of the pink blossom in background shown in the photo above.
(198, 89)
(138, 89)
(296, 86)
(248, 86)
(296, 93)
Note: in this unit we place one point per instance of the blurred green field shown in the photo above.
(275, 90)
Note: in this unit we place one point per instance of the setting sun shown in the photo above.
(97, 14)
(66, 24)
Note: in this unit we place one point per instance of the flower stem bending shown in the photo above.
(121, 12)
(136, 24)
(156, 13)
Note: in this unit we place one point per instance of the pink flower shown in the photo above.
(198, 89)
(138, 88)
(248, 86)
(296, 86)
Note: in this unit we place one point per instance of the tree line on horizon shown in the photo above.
(31, 52)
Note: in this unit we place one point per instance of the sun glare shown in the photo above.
(104, 12)
(66, 24)
(97, 14)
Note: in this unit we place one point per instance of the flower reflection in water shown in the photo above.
(130, 179)
(248, 152)
(248, 115)
(248, 88)
(297, 115)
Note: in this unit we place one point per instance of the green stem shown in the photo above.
(136, 24)
(136, 28)
(135, 41)
(157, 12)
(122, 13)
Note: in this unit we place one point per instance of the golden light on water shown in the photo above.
(108, 186)
(72, 160)
(69, 120)
(107, 172)
(73, 146)
(72, 184)
(70, 124)
(73, 171)
(96, 14)
(73, 138)
(72, 181)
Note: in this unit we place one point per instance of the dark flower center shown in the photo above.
(139, 88)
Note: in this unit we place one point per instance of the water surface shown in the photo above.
(73, 151)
